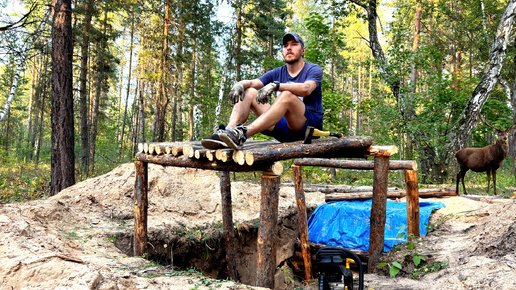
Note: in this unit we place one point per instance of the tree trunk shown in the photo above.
(163, 98)
(141, 114)
(33, 82)
(63, 158)
(98, 92)
(192, 86)
(238, 50)
(83, 91)
(512, 137)
(121, 151)
(41, 116)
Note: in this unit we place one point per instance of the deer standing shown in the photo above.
(488, 158)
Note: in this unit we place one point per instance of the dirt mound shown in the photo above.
(76, 239)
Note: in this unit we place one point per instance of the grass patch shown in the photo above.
(22, 182)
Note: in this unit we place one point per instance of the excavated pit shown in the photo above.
(202, 248)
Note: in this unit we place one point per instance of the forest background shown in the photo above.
(410, 73)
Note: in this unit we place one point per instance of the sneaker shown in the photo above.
(236, 137)
(213, 141)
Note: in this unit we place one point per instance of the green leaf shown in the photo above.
(411, 246)
(393, 271)
(397, 265)
(382, 264)
(417, 260)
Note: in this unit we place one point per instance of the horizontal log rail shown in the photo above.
(355, 164)
(274, 168)
(429, 192)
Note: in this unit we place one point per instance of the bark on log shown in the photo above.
(351, 147)
(227, 223)
(412, 203)
(355, 164)
(140, 208)
(302, 223)
(378, 211)
(427, 192)
(267, 232)
(275, 168)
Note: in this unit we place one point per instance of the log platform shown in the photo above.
(265, 157)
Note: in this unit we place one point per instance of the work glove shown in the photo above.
(237, 93)
(264, 94)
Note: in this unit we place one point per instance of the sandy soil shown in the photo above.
(73, 240)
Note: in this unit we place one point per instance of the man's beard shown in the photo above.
(294, 60)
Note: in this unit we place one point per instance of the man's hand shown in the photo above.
(264, 94)
(237, 93)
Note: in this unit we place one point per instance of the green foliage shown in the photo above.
(411, 260)
(21, 182)
(394, 267)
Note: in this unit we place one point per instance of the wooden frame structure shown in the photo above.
(259, 157)
(381, 165)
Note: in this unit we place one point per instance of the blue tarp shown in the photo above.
(346, 223)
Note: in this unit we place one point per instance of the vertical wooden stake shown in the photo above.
(302, 222)
(412, 203)
(140, 208)
(267, 231)
(378, 211)
(227, 222)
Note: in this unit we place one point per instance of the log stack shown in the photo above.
(255, 155)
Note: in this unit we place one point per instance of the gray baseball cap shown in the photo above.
(293, 36)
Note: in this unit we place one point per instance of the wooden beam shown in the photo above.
(361, 195)
(302, 223)
(412, 203)
(141, 205)
(267, 232)
(227, 224)
(355, 164)
(343, 147)
(275, 168)
(378, 211)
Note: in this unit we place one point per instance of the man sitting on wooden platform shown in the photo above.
(298, 104)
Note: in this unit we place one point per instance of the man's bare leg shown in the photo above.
(242, 109)
(286, 105)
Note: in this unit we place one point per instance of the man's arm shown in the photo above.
(236, 93)
(256, 83)
(300, 89)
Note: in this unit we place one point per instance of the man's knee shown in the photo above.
(288, 97)
(250, 92)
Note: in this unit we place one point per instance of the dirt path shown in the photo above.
(68, 241)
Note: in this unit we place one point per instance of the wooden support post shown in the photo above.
(267, 231)
(302, 222)
(227, 223)
(412, 203)
(378, 211)
(141, 205)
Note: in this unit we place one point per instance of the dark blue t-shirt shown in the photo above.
(310, 72)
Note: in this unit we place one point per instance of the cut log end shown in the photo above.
(249, 158)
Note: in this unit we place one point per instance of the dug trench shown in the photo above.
(68, 240)
(202, 248)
